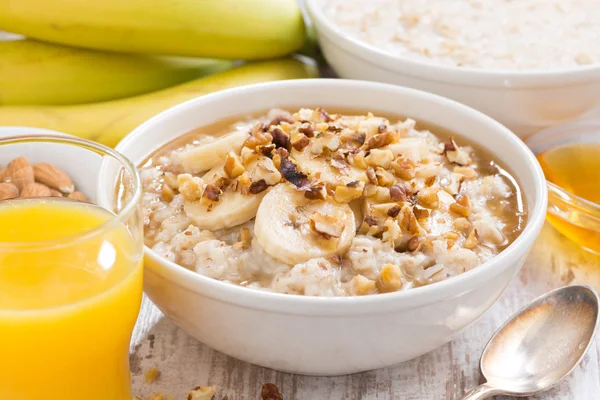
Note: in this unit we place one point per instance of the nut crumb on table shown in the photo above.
(151, 375)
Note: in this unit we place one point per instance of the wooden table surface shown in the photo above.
(445, 373)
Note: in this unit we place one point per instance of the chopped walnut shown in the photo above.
(290, 171)
(408, 221)
(211, 193)
(384, 178)
(404, 169)
(358, 160)
(258, 186)
(428, 197)
(233, 165)
(360, 286)
(460, 210)
(265, 170)
(151, 375)
(391, 231)
(191, 187)
(170, 179)
(280, 138)
(455, 154)
(472, 240)
(258, 137)
(453, 186)
(414, 243)
(349, 192)
(391, 278)
(467, 172)
(420, 213)
(202, 393)
(316, 191)
(326, 225)
(371, 176)
(307, 130)
(248, 156)
(270, 392)
(381, 140)
(380, 158)
(399, 192)
(166, 192)
(462, 224)
(244, 239)
(324, 141)
(349, 135)
(299, 141)
(378, 193)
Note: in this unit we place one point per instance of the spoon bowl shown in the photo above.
(540, 344)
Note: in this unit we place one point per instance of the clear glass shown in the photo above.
(70, 275)
(570, 157)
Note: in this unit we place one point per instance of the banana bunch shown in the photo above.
(133, 59)
(108, 122)
(227, 29)
(33, 73)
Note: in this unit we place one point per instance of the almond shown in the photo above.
(55, 193)
(8, 191)
(79, 196)
(36, 190)
(53, 177)
(4, 174)
(20, 172)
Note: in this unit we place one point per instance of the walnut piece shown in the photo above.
(233, 165)
(326, 225)
(151, 375)
(391, 278)
(360, 286)
(270, 392)
(428, 197)
(211, 193)
(202, 393)
(191, 187)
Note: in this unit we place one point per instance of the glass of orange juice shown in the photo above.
(70, 272)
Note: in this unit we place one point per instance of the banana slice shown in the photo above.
(293, 229)
(232, 209)
(203, 157)
(322, 169)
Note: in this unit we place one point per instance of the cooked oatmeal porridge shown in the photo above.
(490, 34)
(321, 204)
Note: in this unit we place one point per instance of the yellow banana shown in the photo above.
(108, 122)
(228, 29)
(33, 72)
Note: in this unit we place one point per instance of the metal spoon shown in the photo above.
(540, 344)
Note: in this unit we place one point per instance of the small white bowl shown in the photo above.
(524, 101)
(331, 336)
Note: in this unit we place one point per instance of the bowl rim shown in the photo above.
(466, 76)
(351, 305)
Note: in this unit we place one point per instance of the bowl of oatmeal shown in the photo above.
(329, 226)
(528, 64)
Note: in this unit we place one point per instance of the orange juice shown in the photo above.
(68, 302)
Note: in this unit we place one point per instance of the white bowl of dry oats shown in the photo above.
(331, 226)
(528, 64)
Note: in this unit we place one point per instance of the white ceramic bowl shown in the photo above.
(523, 101)
(329, 336)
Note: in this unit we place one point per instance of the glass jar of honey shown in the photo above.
(570, 157)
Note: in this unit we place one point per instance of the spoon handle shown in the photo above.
(481, 392)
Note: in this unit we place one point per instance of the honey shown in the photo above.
(576, 169)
